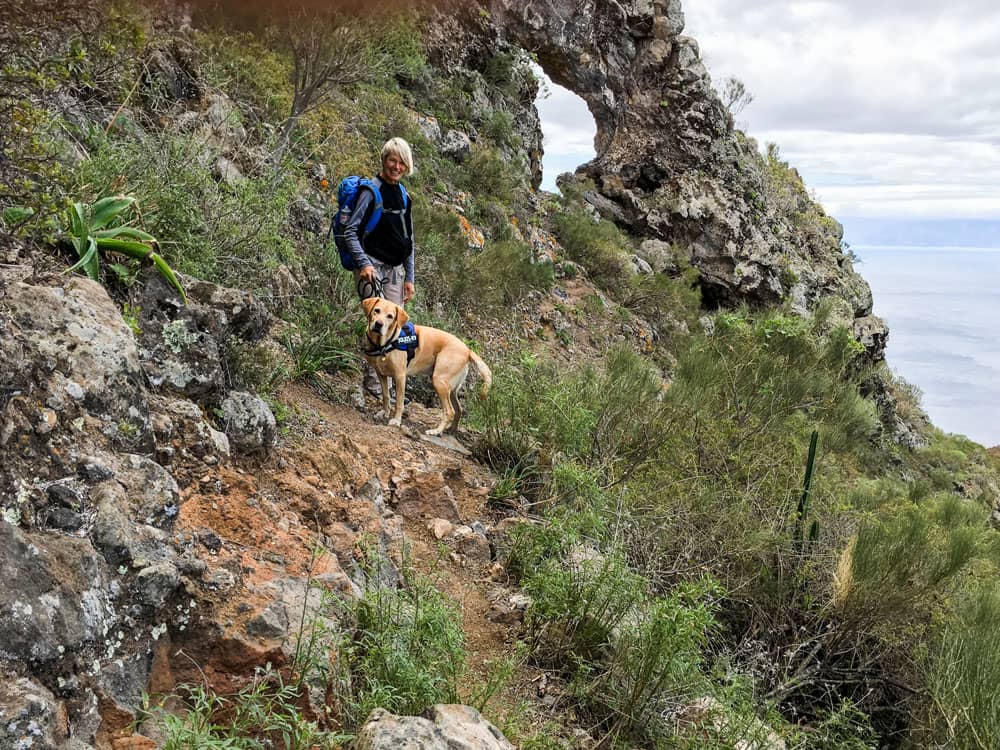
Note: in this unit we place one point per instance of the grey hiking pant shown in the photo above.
(392, 278)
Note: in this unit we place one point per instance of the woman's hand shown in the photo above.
(368, 274)
(408, 291)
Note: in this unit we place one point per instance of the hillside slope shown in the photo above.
(631, 543)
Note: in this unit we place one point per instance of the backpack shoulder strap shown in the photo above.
(375, 210)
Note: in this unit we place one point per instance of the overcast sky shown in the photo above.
(889, 108)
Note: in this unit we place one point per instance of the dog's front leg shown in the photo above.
(384, 382)
(400, 381)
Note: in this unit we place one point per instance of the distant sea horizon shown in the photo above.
(942, 306)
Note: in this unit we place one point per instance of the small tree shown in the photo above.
(329, 51)
(735, 95)
(330, 42)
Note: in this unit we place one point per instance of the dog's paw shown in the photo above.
(395, 422)
(435, 432)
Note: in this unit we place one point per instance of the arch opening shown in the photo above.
(568, 129)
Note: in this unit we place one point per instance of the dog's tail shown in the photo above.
(484, 373)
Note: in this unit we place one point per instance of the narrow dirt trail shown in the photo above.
(258, 526)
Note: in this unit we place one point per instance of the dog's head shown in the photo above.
(385, 318)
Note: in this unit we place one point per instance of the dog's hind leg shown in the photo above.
(456, 405)
(443, 388)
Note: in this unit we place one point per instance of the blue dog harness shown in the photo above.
(406, 341)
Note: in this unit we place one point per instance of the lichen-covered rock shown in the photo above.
(155, 583)
(154, 496)
(873, 334)
(182, 432)
(55, 596)
(451, 727)
(182, 346)
(68, 348)
(660, 256)
(455, 144)
(248, 422)
(30, 717)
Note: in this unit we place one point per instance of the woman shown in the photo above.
(383, 258)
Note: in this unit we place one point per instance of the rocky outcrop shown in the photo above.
(450, 727)
(183, 346)
(670, 165)
(498, 87)
(248, 421)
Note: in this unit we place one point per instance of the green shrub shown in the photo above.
(599, 246)
(405, 652)
(498, 276)
(499, 128)
(626, 652)
(488, 172)
(260, 714)
(612, 420)
(904, 557)
(672, 305)
(230, 234)
(250, 71)
(326, 339)
(964, 673)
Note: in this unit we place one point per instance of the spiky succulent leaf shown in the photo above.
(106, 210)
(78, 224)
(88, 262)
(168, 273)
(136, 250)
(130, 232)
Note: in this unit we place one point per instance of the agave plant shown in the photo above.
(91, 236)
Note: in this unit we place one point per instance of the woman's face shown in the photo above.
(393, 168)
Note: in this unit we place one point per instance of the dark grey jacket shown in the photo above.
(353, 229)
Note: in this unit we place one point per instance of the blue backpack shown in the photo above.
(347, 197)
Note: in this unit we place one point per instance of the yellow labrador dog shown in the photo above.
(396, 350)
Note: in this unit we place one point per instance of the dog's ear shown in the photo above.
(369, 305)
(401, 316)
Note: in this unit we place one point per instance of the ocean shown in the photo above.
(943, 307)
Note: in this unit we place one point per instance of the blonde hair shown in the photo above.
(401, 150)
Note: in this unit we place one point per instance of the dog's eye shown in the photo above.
(377, 310)
(389, 316)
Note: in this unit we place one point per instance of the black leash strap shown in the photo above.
(368, 288)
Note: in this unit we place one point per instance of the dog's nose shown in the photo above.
(377, 327)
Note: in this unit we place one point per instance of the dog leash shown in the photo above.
(368, 288)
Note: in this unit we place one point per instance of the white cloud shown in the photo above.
(888, 108)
